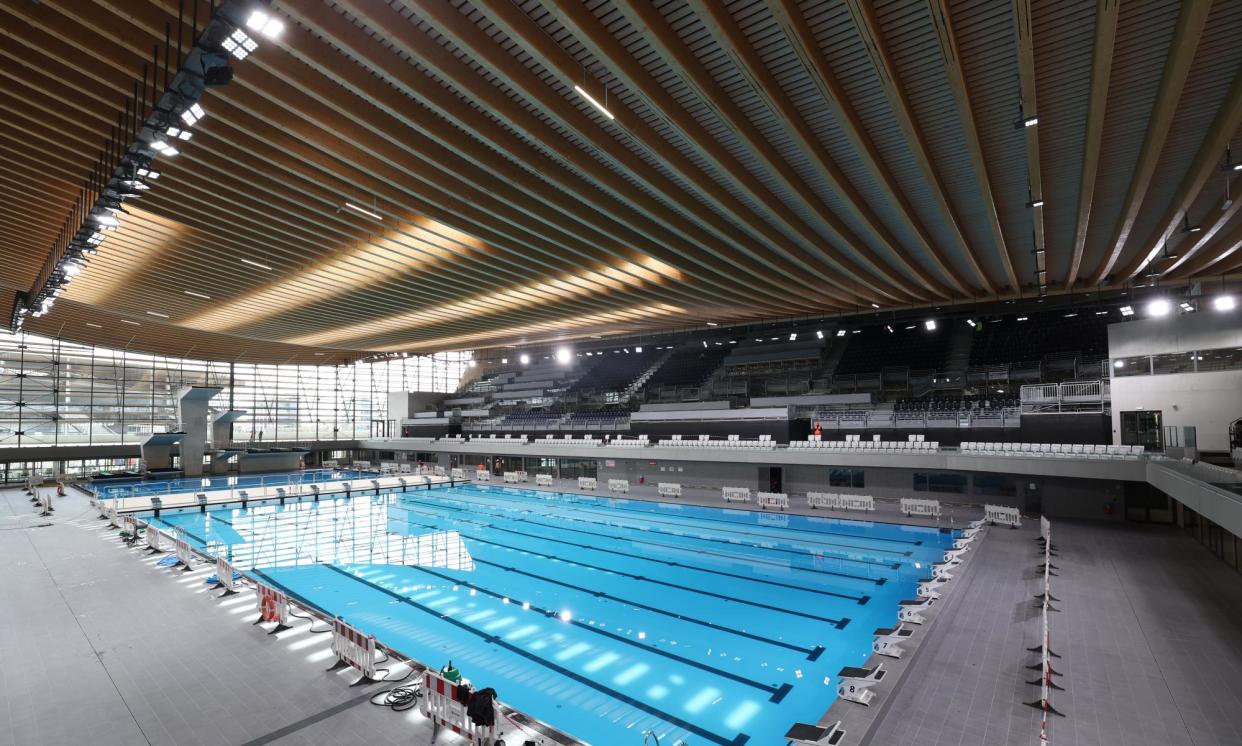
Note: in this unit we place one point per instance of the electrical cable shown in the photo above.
(400, 698)
(312, 621)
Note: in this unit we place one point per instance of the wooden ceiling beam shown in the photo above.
(1204, 260)
(454, 26)
(789, 16)
(868, 27)
(637, 217)
(1106, 12)
(1205, 165)
(1025, 42)
(942, 20)
(1177, 65)
(604, 46)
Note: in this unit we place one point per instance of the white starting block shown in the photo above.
(925, 508)
(953, 557)
(930, 588)
(482, 475)
(458, 473)
(669, 489)
(778, 500)
(888, 640)
(940, 570)
(618, 485)
(1002, 515)
(735, 494)
(963, 542)
(587, 483)
(911, 611)
(543, 480)
(802, 734)
(856, 683)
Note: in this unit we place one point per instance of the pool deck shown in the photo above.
(101, 646)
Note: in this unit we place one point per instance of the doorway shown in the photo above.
(1142, 428)
(772, 476)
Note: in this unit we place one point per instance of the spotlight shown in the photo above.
(1127, 311)
(1158, 307)
(639, 348)
(930, 325)
(239, 44)
(1186, 307)
(819, 334)
(1036, 202)
(524, 359)
(840, 332)
(793, 336)
(264, 24)
(563, 355)
(178, 133)
(1119, 363)
(148, 173)
(971, 322)
(1021, 318)
(875, 305)
(191, 115)
(1224, 303)
(1071, 314)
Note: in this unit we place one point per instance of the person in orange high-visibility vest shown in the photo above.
(818, 430)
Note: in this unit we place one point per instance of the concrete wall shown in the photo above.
(1207, 401)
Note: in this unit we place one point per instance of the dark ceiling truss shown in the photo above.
(752, 160)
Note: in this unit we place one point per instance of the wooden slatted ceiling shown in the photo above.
(768, 159)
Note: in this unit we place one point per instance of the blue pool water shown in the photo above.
(602, 617)
(155, 487)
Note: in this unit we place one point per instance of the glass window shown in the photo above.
(1132, 366)
(940, 481)
(846, 478)
(997, 485)
(1178, 362)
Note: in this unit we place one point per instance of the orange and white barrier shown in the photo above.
(224, 576)
(482, 475)
(128, 525)
(184, 553)
(1045, 681)
(735, 494)
(925, 508)
(353, 647)
(1005, 516)
(778, 500)
(273, 605)
(155, 539)
(440, 705)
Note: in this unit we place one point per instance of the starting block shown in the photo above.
(929, 587)
(888, 641)
(954, 555)
(856, 683)
(816, 735)
(963, 542)
(940, 570)
(911, 610)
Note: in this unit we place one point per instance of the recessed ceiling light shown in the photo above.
(256, 264)
(364, 211)
(131, 323)
(711, 323)
(154, 313)
(197, 295)
(93, 326)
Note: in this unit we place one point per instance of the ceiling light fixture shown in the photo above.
(256, 264)
(265, 24)
(1126, 310)
(154, 313)
(1158, 307)
(363, 211)
(930, 325)
(793, 336)
(1021, 318)
(819, 334)
(197, 295)
(1186, 307)
(239, 43)
(593, 102)
(1036, 202)
(93, 326)
(524, 359)
(840, 332)
(563, 355)
(1224, 303)
(131, 323)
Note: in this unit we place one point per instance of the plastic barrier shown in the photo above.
(354, 648)
(543, 480)
(888, 640)
(155, 539)
(512, 477)
(735, 494)
(331, 464)
(587, 483)
(184, 554)
(273, 605)
(669, 489)
(439, 704)
(458, 473)
(911, 611)
(833, 501)
(1011, 517)
(483, 475)
(618, 485)
(856, 683)
(224, 576)
(927, 508)
(778, 500)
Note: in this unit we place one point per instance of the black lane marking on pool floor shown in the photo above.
(777, 692)
(405, 498)
(861, 600)
(755, 536)
(838, 623)
(592, 501)
(667, 717)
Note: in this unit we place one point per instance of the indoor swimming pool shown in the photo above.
(156, 487)
(602, 617)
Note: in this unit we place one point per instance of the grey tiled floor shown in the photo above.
(100, 646)
(1148, 633)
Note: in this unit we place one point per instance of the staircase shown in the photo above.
(957, 360)
(646, 375)
(821, 379)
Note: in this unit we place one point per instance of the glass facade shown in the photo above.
(60, 393)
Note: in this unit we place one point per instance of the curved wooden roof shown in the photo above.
(763, 159)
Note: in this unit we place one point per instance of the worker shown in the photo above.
(818, 430)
